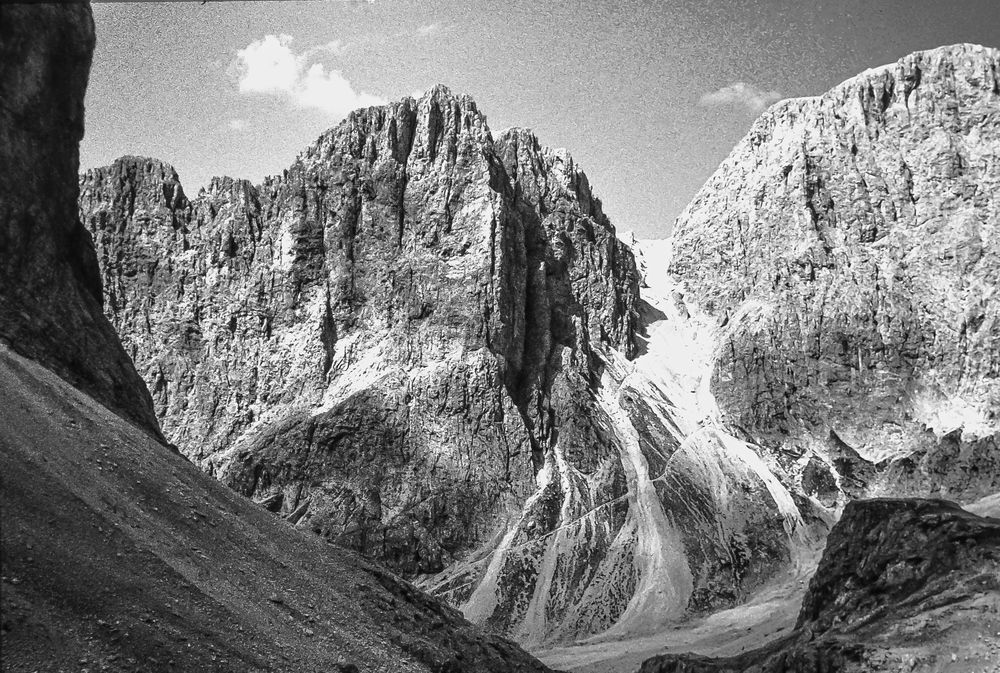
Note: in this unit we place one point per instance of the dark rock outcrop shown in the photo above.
(903, 585)
(846, 251)
(50, 284)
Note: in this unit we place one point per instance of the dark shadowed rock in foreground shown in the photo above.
(50, 283)
(904, 585)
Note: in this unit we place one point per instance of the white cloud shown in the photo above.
(270, 66)
(237, 124)
(331, 47)
(741, 94)
(267, 65)
(331, 91)
(428, 28)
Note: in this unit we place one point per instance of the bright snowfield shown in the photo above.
(671, 375)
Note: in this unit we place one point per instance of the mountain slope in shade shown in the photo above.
(904, 585)
(846, 252)
(120, 555)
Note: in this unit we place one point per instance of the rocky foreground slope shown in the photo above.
(846, 256)
(117, 553)
(415, 341)
(904, 585)
(120, 555)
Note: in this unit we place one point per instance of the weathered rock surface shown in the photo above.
(904, 585)
(417, 341)
(50, 284)
(120, 555)
(846, 252)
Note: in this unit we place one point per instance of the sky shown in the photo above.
(649, 97)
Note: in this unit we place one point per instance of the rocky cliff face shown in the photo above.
(845, 253)
(904, 585)
(417, 341)
(50, 284)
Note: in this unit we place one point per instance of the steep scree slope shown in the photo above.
(120, 555)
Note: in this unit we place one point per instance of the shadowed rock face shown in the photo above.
(847, 248)
(50, 284)
(904, 584)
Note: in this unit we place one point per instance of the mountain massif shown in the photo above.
(428, 344)
(413, 342)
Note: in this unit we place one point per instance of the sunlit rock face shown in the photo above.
(846, 253)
